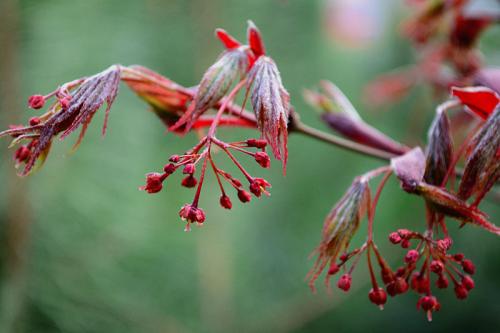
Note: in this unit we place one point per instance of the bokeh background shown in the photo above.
(82, 250)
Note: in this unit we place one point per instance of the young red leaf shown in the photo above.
(229, 41)
(255, 40)
(480, 100)
(163, 94)
(448, 204)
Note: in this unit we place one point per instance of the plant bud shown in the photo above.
(344, 282)
(225, 202)
(270, 102)
(439, 150)
(36, 102)
(342, 117)
(215, 84)
(340, 226)
(482, 168)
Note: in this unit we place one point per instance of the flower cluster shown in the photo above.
(428, 176)
(239, 67)
(202, 154)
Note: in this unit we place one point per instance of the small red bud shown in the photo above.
(22, 154)
(225, 202)
(189, 169)
(405, 243)
(377, 297)
(419, 283)
(244, 196)
(411, 257)
(256, 143)
(169, 168)
(34, 121)
(334, 268)
(394, 238)
(36, 102)
(442, 282)
(428, 303)
(461, 292)
(458, 256)
(343, 257)
(236, 182)
(192, 213)
(468, 282)
(444, 244)
(400, 285)
(468, 267)
(400, 271)
(174, 158)
(189, 182)
(154, 182)
(436, 266)
(262, 158)
(258, 186)
(65, 102)
(344, 282)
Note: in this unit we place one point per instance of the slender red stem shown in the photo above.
(371, 213)
(225, 103)
(202, 178)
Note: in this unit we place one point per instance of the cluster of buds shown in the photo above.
(435, 259)
(428, 176)
(445, 33)
(251, 68)
(202, 154)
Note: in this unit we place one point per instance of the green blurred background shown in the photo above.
(82, 250)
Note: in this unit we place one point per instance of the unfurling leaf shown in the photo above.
(448, 204)
(409, 168)
(270, 102)
(72, 110)
(480, 100)
(340, 226)
(439, 150)
(481, 167)
(166, 96)
(215, 84)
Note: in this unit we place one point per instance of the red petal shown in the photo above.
(255, 40)
(480, 100)
(229, 41)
